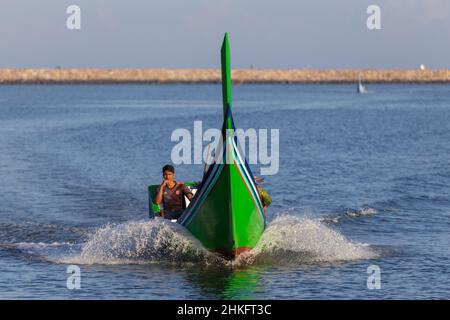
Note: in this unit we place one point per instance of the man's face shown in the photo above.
(168, 175)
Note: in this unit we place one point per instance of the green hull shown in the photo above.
(226, 213)
(228, 219)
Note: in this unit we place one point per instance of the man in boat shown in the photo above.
(171, 194)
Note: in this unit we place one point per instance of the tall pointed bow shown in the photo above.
(226, 78)
(226, 214)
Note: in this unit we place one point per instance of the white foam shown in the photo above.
(291, 239)
(141, 242)
(287, 239)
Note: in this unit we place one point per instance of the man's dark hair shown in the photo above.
(169, 168)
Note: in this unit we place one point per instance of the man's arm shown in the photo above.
(159, 193)
(187, 192)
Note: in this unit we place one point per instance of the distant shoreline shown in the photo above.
(239, 76)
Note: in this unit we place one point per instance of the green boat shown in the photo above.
(226, 213)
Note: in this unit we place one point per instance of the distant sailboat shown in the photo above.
(361, 87)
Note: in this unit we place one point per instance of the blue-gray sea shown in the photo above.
(361, 201)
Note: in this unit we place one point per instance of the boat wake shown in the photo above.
(287, 240)
(141, 242)
(293, 240)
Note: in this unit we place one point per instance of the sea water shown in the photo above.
(363, 184)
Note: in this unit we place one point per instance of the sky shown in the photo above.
(286, 34)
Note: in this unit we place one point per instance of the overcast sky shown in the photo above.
(188, 34)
